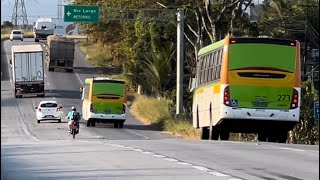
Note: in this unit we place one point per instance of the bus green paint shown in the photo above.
(262, 55)
(108, 89)
(265, 97)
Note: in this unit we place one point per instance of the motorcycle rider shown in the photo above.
(73, 115)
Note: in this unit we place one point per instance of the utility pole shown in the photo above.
(180, 52)
(158, 15)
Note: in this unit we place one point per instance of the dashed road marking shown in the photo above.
(79, 78)
(201, 168)
(218, 174)
(298, 150)
(171, 159)
(158, 156)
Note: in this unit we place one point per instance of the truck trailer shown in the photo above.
(60, 53)
(27, 70)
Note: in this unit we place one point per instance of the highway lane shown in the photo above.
(64, 87)
(45, 150)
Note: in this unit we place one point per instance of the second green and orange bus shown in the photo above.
(248, 85)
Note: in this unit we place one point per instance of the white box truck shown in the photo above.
(27, 70)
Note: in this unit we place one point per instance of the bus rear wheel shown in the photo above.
(205, 133)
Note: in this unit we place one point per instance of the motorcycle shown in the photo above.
(74, 128)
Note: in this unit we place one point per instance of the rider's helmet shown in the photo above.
(73, 108)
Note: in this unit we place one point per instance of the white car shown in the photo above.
(16, 34)
(48, 110)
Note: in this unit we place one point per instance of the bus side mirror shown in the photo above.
(11, 61)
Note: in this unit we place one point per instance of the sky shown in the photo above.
(34, 9)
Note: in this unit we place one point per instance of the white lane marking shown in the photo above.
(201, 168)
(158, 155)
(79, 78)
(147, 152)
(138, 134)
(184, 163)
(54, 98)
(138, 150)
(298, 150)
(25, 129)
(47, 83)
(127, 147)
(45, 75)
(171, 159)
(218, 174)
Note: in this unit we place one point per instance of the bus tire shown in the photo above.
(205, 133)
(283, 136)
(116, 125)
(215, 133)
(224, 135)
(121, 124)
(93, 123)
(88, 123)
(262, 136)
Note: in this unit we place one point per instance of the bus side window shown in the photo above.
(202, 70)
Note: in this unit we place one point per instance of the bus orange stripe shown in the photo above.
(225, 62)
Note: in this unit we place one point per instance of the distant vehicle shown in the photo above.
(48, 110)
(104, 100)
(16, 35)
(27, 70)
(60, 53)
(248, 85)
(43, 28)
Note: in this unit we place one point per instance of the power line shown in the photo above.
(19, 14)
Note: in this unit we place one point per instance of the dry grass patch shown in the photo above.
(157, 113)
(96, 54)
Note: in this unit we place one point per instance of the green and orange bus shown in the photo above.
(247, 85)
(104, 101)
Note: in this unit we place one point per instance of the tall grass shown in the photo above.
(96, 54)
(158, 114)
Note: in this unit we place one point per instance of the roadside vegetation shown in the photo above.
(7, 28)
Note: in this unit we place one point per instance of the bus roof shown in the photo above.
(103, 79)
(211, 47)
(235, 40)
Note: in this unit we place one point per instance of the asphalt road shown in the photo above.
(46, 151)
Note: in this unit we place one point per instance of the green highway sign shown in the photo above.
(76, 13)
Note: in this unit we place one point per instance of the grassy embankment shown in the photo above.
(151, 111)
